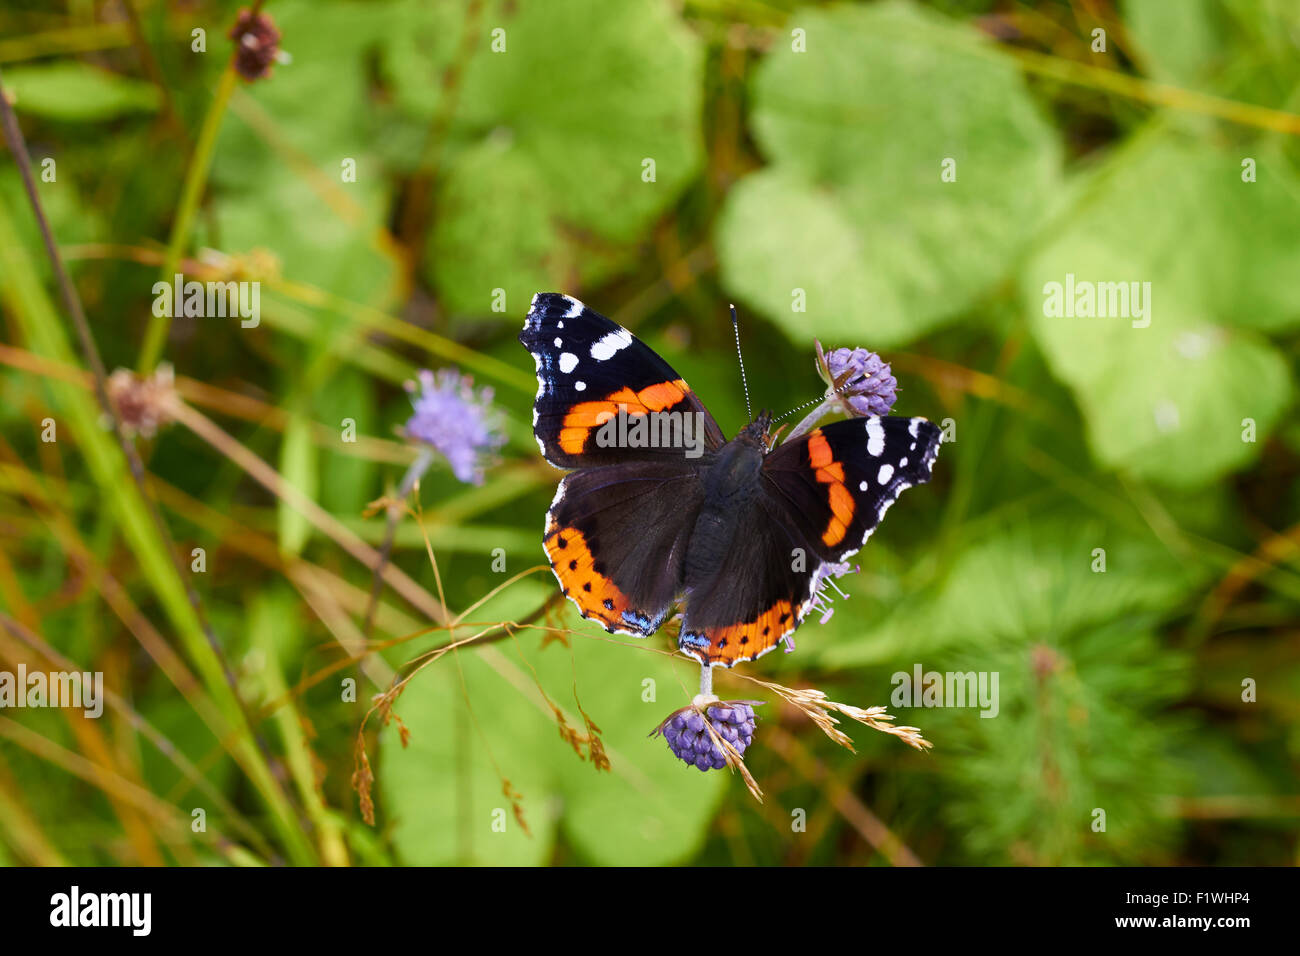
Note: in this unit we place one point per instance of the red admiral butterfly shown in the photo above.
(744, 531)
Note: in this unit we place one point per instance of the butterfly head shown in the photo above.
(755, 433)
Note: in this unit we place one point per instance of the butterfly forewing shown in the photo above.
(840, 479)
(589, 370)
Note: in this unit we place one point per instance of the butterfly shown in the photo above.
(660, 509)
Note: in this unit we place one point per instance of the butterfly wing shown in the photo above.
(756, 595)
(617, 529)
(616, 539)
(838, 481)
(822, 496)
(587, 368)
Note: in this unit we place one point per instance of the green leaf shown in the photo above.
(443, 793)
(541, 155)
(1033, 579)
(347, 480)
(651, 809)
(648, 809)
(298, 468)
(1172, 401)
(77, 92)
(1236, 48)
(853, 209)
(280, 164)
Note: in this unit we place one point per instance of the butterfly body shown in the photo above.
(732, 480)
(740, 533)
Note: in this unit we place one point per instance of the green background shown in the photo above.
(797, 156)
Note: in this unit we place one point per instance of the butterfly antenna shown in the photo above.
(814, 401)
(735, 327)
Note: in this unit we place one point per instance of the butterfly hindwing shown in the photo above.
(616, 539)
(589, 369)
(758, 593)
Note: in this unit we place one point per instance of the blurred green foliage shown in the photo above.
(660, 160)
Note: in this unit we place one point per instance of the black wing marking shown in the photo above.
(589, 367)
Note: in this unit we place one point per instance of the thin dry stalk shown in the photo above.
(817, 707)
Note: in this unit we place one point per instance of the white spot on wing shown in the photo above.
(886, 472)
(862, 486)
(912, 425)
(875, 436)
(580, 386)
(605, 347)
(574, 307)
(558, 341)
(568, 362)
(541, 379)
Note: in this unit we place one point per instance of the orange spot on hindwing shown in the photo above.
(739, 642)
(595, 594)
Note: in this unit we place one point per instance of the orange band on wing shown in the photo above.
(586, 416)
(737, 642)
(831, 472)
(596, 595)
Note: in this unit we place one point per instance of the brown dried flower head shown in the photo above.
(257, 44)
(143, 404)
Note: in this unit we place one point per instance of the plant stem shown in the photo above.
(808, 421)
(138, 513)
(196, 178)
(330, 526)
(409, 480)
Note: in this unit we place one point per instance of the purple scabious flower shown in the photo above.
(691, 742)
(863, 382)
(859, 384)
(455, 419)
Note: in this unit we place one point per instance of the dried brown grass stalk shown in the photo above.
(819, 708)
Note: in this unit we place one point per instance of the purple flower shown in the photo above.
(455, 419)
(692, 743)
(864, 382)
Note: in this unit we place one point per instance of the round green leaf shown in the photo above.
(854, 209)
(573, 126)
(646, 809)
(1178, 399)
